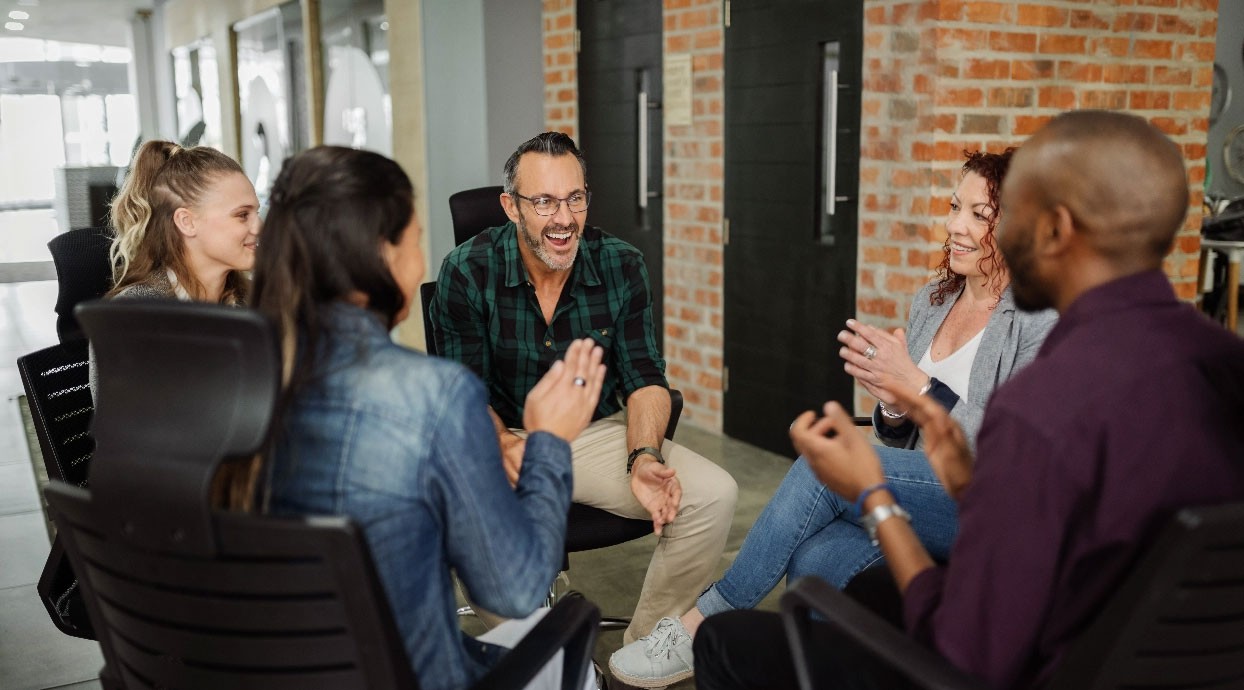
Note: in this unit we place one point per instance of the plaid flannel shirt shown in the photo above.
(486, 315)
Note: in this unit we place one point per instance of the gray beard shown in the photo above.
(537, 247)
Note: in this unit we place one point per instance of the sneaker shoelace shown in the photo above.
(663, 639)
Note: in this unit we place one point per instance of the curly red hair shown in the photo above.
(992, 167)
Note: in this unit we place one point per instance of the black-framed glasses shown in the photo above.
(548, 205)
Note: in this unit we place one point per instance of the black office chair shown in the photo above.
(476, 210)
(57, 391)
(1176, 621)
(83, 272)
(186, 596)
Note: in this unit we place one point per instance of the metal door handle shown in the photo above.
(831, 150)
(642, 114)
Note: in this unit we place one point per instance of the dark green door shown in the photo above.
(620, 120)
(792, 113)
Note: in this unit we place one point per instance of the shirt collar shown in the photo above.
(582, 273)
(350, 318)
(1144, 290)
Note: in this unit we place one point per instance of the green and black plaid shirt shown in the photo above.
(486, 315)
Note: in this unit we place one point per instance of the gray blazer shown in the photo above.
(1011, 340)
(158, 287)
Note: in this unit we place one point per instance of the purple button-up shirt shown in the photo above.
(1133, 409)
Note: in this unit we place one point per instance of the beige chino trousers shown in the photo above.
(690, 547)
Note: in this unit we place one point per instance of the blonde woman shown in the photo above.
(187, 224)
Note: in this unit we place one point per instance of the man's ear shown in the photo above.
(1056, 231)
(511, 207)
(183, 218)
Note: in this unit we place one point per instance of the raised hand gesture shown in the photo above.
(879, 360)
(563, 401)
(944, 443)
(837, 451)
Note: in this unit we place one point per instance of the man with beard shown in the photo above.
(511, 300)
(1133, 409)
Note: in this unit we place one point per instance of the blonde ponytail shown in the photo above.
(131, 209)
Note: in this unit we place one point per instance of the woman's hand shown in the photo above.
(563, 401)
(889, 369)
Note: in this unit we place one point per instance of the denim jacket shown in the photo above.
(403, 444)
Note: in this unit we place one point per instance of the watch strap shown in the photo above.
(654, 452)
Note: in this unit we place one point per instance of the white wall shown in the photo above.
(456, 111)
(484, 96)
(515, 78)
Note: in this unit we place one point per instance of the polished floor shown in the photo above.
(34, 655)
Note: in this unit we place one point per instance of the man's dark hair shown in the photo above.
(549, 143)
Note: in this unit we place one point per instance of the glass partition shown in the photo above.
(270, 93)
(355, 48)
(197, 86)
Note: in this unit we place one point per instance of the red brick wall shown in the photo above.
(561, 72)
(940, 76)
(693, 216)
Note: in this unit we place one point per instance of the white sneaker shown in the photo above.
(660, 658)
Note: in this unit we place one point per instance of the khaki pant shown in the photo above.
(689, 549)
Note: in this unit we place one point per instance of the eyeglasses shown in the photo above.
(548, 205)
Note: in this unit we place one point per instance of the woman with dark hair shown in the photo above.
(401, 442)
(964, 338)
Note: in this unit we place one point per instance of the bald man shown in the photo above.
(1133, 408)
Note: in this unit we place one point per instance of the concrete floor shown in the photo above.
(35, 656)
(33, 653)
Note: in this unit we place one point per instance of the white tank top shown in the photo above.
(956, 370)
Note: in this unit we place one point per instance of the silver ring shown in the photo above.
(870, 352)
(580, 381)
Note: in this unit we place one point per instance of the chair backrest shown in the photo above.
(1177, 621)
(476, 210)
(56, 380)
(83, 272)
(426, 292)
(185, 596)
(58, 393)
(284, 603)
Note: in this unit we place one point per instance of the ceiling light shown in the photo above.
(14, 26)
(18, 14)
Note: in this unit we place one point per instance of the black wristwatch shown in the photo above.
(654, 452)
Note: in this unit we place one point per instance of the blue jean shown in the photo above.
(806, 529)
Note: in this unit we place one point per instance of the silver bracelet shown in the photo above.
(895, 414)
(891, 414)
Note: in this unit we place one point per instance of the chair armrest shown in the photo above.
(873, 634)
(571, 625)
(675, 413)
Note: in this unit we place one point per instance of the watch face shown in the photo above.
(1233, 154)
